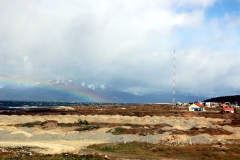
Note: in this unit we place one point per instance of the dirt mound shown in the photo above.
(196, 131)
(173, 139)
(49, 124)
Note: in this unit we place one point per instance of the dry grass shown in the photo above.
(207, 152)
(24, 153)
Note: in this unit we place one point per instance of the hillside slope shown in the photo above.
(231, 99)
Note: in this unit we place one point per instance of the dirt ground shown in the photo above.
(178, 125)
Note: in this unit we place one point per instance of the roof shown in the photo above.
(199, 105)
(224, 105)
(227, 109)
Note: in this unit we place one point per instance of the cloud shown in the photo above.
(128, 44)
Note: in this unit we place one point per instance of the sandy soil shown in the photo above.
(21, 136)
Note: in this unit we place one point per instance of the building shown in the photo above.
(197, 107)
(211, 104)
(227, 110)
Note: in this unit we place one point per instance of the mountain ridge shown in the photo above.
(61, 90)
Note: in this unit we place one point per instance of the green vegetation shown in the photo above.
(80, 122)
(206, 152)
(67, 124)
(84, 125)
(118, 130)
(132, 125)
(31, 124)
(26, 155)
(138, 129)
(87, 127)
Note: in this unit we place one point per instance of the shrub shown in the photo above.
(80, 122)
(118, 130)
(87, 127)
(66, 124)
(31, 124)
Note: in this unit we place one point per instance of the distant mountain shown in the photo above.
(232, 99)
(71, 91)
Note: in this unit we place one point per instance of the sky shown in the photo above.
(123, 43)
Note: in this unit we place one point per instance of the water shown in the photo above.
(25, 105)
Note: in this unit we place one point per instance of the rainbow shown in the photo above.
(79, 95)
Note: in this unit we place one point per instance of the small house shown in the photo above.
(197, 107)
(227, 110)
(211, 104)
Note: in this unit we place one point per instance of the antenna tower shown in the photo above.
(174, 69)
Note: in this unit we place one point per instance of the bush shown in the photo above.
(87, 127)
(80, 122)
(66, 124)
(31, 124)
(118, 130)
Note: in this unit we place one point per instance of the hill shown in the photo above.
(231, 99)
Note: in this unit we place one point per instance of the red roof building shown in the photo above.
(227, 110)
(197, 107)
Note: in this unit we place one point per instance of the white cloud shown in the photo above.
(125, 43)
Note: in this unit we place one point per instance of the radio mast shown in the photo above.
(174, 70)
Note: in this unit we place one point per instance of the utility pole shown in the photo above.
(174, 70)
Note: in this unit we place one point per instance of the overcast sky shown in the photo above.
(125, 43)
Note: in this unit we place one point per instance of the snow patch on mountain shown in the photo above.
(102, 86)
(83, 84)
(91, 86)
